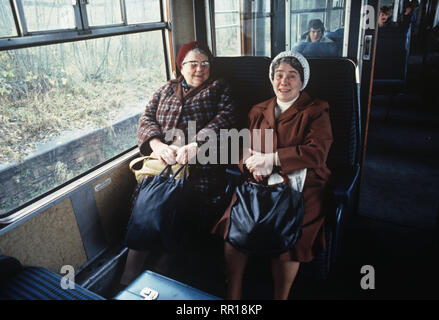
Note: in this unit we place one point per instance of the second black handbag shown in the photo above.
(265, 219)
(158, 215)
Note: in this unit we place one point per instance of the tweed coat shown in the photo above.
(209, 105)
(302, 137)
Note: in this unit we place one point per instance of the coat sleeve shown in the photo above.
(313, 152)
(148, 127)
(225, 117)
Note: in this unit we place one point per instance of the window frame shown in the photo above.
(25, 39)
(82, 31)
(248, 22)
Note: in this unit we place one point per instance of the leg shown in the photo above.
(284, 272)
(235, 263)
(133, 266)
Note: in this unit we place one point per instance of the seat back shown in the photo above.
(248, 79)
(317, 49)
(392, 53)
(334, 80)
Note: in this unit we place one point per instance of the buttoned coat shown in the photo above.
(209, 105)
(302, 136)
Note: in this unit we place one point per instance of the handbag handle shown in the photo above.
(285, 177)
(137, 160)
(178, 171)
(168, 170)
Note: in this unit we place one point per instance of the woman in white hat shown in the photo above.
(301, 142)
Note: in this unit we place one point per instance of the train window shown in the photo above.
(68, 107)
(227, 28)
(104, 12)
(7, 27)
(241, 27)
(45, 15)
(320, 22)
(140, 11)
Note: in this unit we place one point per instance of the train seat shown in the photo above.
(317, 49)
(333, 80)
(36, 283)
(391, 62)
(322, 49)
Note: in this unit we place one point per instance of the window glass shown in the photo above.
(142, 11)
(308, 4)
(338, 3)
(227, 28)
(317, 27)
(242, 27)
(44, 15)
(336, 20)
(104, 12)
(69, 107)
(7, 26)
(388, 3)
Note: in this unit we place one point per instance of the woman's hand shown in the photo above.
(260, 164)
(187, 152)
(164, 152)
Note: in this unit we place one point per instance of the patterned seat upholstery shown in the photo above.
(37, 283)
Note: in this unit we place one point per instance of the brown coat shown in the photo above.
(302, 137)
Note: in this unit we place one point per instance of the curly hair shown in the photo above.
(293, 62)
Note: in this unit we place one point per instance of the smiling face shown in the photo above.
(195, 73)
(286, 82)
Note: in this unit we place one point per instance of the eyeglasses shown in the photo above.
(194, 64)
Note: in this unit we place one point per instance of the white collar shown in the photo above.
(283, 106)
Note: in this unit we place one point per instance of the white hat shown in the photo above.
(302, 60)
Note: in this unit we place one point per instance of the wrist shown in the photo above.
(154, 142)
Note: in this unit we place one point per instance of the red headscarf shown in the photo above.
(190, 46)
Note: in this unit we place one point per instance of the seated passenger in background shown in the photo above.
(314, 44)
(409, 15)
(316, 30)
(384, 15)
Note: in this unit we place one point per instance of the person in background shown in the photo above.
(316, 31)
(409, 15)
(384, 15)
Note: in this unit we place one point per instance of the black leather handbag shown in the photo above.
(158, 215)
(266, 219)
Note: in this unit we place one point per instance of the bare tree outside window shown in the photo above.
(52, 96)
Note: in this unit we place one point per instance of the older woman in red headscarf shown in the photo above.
(193, 96)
